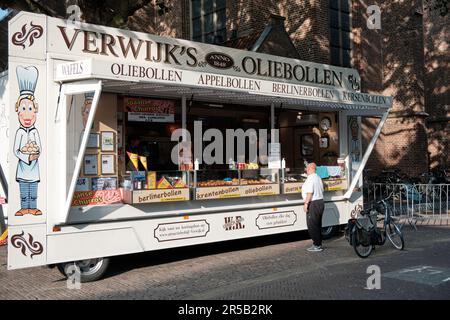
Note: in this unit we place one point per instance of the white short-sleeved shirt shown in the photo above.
(314, 185)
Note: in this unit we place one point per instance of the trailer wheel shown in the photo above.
(90, 270)
(329, 232)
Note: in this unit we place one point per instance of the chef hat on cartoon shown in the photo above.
(27, 78)
(89, 95)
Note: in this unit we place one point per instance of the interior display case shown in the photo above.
(216, 178)
(156, 186)
(259, 176)
(235, 183)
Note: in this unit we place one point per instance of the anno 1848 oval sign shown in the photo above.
(219, 60)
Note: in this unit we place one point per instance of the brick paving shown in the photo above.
(276, 267)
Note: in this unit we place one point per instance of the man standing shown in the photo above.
(312, 193)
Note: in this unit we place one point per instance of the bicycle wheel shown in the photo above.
(395, 236)
(361, 251)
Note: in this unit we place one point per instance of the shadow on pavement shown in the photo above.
(126, 263)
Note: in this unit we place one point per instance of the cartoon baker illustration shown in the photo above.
(27, 144)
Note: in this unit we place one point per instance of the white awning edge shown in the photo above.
(77, 88)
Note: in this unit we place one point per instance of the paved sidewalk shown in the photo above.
(276, 267)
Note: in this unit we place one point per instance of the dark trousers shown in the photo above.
(314, 221)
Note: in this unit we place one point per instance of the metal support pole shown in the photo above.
(274, 135)
(4, 187)
(183, 137)
(183, 115)
(366, 156)
(272, 115)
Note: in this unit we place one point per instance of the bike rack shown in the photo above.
(414, 203)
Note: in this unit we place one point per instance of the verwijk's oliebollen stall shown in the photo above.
(122, 142)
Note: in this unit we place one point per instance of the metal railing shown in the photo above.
(413, 203)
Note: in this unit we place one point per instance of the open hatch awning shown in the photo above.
(237, 97)
(216, 87)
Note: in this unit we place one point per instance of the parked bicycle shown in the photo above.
(365, 232)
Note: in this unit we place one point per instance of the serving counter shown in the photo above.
(328, 185)
(172, 186)
(235, 183)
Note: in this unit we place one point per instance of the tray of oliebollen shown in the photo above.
(30, 148)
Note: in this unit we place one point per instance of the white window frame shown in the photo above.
(202, 20)
(69, 89)
(341, 49)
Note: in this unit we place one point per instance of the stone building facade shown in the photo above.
(407, 58)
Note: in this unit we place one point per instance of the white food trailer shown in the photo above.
(71, 198)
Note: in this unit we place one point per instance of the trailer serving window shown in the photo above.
(122, 167)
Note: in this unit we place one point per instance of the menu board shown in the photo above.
(333, 185)
(274, 156)
(328, 185)
(292, 187)
(217, 192)
(152, 196)
(236, 191)
(260, 190)
(149, 110)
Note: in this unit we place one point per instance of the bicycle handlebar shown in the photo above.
(386, 198)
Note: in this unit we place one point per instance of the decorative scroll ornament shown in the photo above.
(19, 241)
(21, 37)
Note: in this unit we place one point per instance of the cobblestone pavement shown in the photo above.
(275, 267)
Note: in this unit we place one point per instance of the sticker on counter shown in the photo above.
(260, 190)
(217, 193)
(333, 185)
(292, 187)
(95, 198)
(162, 195)
(276, 220)
(329, 185)
(181, 230)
